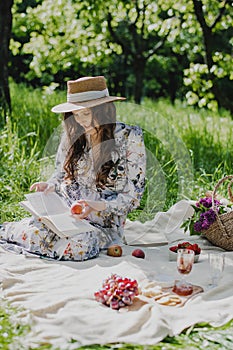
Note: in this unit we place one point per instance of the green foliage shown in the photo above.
(207, 52)
(53, 31)
(31, 112)
(158, 46)
(22, 141)
(16, 159)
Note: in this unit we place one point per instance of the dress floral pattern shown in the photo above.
(121, 194)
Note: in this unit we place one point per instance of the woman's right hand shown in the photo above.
(45, 187)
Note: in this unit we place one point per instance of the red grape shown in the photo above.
(117, 292)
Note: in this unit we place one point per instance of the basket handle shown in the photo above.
(228, 177)
(229, 190)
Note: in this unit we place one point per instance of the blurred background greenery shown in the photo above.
(172, 49)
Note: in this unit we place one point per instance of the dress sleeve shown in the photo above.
(59, 173)
(129, 198)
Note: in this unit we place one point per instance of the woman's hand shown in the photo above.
(45, 187)
(82, 207)
(87, 207)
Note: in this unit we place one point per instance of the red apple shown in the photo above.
(138, 253)
(114, 250)
(76, 208)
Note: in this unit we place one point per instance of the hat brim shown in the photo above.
(69, 107)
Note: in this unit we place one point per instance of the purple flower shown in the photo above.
(202, 216)
(207, 202)
(205, 225)
(197, 226)
(205, 215)
(206, 219)
(210, 216)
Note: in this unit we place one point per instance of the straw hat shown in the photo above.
(85, 92)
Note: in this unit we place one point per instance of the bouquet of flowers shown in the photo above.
(204, 214)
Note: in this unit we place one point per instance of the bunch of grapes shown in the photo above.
(117, 292)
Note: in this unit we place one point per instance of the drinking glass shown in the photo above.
(185, 260)
(216, 264)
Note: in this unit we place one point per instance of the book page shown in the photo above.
(47, 204)
(27, 206)
(55, 214)
(66, 224)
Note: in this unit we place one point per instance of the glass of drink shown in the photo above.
(185, 260)
(216, 263)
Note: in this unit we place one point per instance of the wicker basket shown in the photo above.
(220, 233)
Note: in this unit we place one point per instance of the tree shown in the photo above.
(135, 30)
(142, 47)
(48, 37)
(93, 34)
(210, 36)
(204, 35)
(5, 34)
(137, 43)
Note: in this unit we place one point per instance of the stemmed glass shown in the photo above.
(185, 260)
(216, 263)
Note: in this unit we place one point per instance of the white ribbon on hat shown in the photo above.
(87, 96)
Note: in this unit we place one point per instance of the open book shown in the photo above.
(55, 214)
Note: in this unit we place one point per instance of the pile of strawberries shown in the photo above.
(195, 247)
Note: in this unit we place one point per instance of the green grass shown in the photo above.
(188, 151)
(12, 331)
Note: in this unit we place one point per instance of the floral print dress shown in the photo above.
(121, 194)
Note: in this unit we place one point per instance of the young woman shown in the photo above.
(99, 161)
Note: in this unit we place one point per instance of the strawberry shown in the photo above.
(185, 244)
(195, 247)
(174, 248)
(188, 245)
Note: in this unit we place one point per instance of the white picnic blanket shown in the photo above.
(58, 297)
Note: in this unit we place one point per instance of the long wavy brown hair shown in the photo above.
(104, 122)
